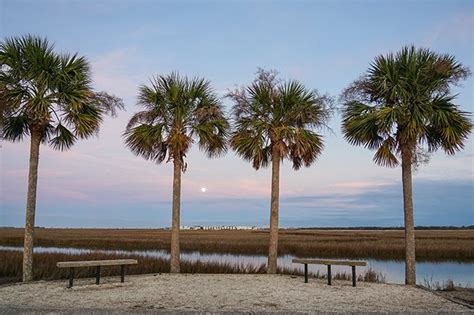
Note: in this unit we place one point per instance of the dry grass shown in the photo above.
(447, 285)
(451, 291)
(431, 245)
(45, 267)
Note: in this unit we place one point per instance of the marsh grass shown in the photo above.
(45, 267)
(431, 245)
(447, 285)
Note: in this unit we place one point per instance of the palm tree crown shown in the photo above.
(47, 93)
(405, 100)
(274, 115)
(177, 111)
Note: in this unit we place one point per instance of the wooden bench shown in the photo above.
(352, 263)
(96, 263)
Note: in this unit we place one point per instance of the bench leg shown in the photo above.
(122, 273)
(353, 276)
(329, 275)
(71, 277)
(97, 275)
(305, 273)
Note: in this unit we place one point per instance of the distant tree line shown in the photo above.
(418, 227)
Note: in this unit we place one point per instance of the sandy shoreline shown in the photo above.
(222, 293)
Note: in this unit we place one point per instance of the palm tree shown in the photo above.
(47, 96)
(275, 120)
(176, 112)
(402, 106)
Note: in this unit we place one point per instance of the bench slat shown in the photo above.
(330, 262)
(93, 263)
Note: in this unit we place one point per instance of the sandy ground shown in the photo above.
(463, 295)
(222, 293)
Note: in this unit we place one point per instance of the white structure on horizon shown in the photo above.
(221, 227)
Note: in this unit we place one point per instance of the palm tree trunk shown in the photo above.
(273, 246)
(410, 263)
(31, 206)
(174, 268)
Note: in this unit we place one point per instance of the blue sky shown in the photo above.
(324, 44)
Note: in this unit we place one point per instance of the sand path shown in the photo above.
(221, 293)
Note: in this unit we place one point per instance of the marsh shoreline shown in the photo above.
(431, 245)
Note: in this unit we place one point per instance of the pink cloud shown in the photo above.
(43, 172)
(240, 188)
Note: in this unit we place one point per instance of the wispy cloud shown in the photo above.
(458, 28)
(113, 72)
(360, 186)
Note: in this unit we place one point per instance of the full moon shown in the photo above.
(203, 189)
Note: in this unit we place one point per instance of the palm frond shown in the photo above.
(252, 147)
(147, 141)
(212, 136)
(63, 138)
(449, 128)
(107, 103)
(85, 119)
(14, 128)
(360, 125)
(386, 153)
(305, 147)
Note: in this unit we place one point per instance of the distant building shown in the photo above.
(221, 227)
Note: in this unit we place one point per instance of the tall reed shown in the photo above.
(45, 267)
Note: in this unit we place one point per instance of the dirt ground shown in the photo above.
(464, 295)
(222, 293)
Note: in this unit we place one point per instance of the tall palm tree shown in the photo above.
(402, 106)
(275, 120)
(47, 96)
(176, 112)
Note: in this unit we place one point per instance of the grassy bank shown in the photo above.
(431, 245)
(45, 267)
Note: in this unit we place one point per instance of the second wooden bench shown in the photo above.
(352, 263)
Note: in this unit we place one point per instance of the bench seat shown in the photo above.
(94, 263)
(330, 262)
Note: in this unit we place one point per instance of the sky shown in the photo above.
(324, 44)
